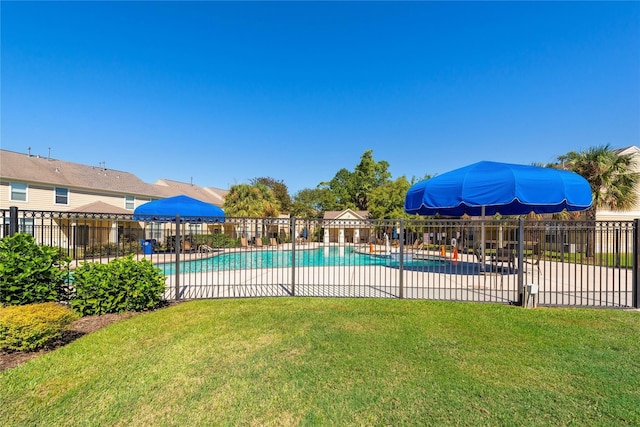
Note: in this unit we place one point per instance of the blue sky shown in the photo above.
(223, 92)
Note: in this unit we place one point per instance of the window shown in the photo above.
(129, 202)
(62, 196)
(18, 192)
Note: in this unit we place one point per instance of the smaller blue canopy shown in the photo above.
(188, 208)
(504, 188)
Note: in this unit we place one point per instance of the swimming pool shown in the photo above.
(320, 257)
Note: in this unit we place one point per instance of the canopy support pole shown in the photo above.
(177, 249)
(483, 237)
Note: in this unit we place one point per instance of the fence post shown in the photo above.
(635, 291)
(401, 265)
(176, 245)
(293, 256)
(13, 220)
(521, 288)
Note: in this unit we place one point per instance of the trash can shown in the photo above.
(148, 246)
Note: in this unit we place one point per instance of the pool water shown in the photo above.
(332, 256)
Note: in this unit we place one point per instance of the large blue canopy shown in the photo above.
(499, 188)
(188, 208)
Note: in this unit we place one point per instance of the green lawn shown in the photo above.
(297, 361)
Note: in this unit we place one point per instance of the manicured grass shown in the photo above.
(296, 361)
(623, 260)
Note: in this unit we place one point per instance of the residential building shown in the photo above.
(347, 226)
(37, 183)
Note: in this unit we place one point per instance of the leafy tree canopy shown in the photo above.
(308, 203)
(352, 189)
(279, 189)
(387, 200)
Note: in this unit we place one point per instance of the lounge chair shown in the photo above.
(205, 248)
(416, 246)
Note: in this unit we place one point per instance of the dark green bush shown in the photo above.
(216, 240)
(112, 249)
(220, 240)
(32, 326)
(30, 273)
(123, 284)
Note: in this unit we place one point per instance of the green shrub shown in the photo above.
(32, 326)
(112, 249)
(216, 240)
(220, 240)
(123, 284)
(30, 273)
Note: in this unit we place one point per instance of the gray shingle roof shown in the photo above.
(214, 196)
(36, 169)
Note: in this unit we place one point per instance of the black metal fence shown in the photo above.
(524, 262)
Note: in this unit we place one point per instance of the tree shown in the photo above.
(612, 177)
(243, 200)
(387, 200)
(369, 175)
(339, 192)
(280, 191)
(251, 201)
(351, 190)
(307, 203)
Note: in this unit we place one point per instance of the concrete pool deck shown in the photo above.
(558, 283)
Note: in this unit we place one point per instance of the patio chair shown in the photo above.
(273, 241)
(243, 242)
(259, 242)
(534, 259)
(185, 246)
(504, 256)
(416, 246)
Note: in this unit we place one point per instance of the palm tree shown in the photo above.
(255, 201)
(612, 177)
(243, 200)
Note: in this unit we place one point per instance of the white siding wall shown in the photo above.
(41, 197)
